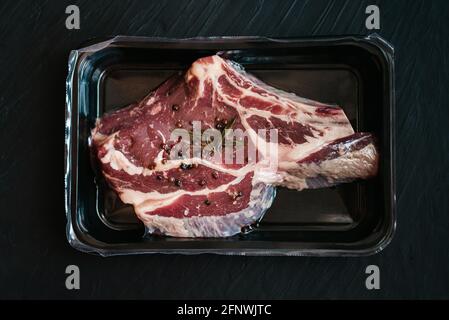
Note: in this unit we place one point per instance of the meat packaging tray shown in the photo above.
(354, 72)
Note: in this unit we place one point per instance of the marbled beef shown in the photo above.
(203, 196)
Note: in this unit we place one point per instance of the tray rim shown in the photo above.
(77, 58)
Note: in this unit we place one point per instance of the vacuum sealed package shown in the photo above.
(231, 145)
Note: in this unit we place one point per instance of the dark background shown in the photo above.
(34, 47)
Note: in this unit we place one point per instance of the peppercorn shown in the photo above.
(185, 166)
(165, 147)
(237, 195)
(152, 166)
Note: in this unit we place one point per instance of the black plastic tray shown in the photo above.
(355, 72)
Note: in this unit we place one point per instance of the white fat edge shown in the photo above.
(266, 175)
(293, 182)
(355, 164)
(98, 137)
(202, 72)
(155, 109)
(350, 165)
(194, 226)
(151, 99)
(168, 225)
(255, 196)
(182, 227)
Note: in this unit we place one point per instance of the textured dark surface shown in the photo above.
(34, 46)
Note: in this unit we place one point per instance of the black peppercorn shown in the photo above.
(185, 166)
(237, 195)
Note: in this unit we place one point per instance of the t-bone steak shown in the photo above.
(179, 193)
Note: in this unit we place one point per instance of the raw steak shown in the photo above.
(179, 193)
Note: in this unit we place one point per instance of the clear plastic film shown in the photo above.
(328, 219)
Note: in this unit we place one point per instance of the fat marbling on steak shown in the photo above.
(203, 196)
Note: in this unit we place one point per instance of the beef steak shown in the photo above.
(299, 144)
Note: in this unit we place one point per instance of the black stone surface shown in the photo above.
(34, 46)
